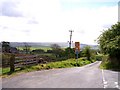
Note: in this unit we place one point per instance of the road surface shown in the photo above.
(88, 76)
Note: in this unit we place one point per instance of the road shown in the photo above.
(88, 76)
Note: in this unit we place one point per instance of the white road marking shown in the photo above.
(105, 86)
(103, 76)
(104, 82)
(116, 85)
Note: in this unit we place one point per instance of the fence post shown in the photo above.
(12, 60)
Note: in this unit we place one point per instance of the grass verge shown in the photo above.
(60, 64)
(107, 64)
(110, 66)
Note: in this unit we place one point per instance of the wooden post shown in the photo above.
(12, 60)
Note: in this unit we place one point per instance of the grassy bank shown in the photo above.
(60, 64)
(106, 64)
(110, 66)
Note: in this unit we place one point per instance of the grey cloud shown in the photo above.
(9, 8)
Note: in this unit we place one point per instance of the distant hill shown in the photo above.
(48, 44)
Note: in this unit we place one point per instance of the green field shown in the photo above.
(33, 48)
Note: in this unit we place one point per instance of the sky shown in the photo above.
(51, 20)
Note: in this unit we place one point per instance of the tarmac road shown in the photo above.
(88, 76)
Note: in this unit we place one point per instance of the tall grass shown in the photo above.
(107, 64)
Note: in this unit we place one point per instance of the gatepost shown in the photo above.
(12, 60)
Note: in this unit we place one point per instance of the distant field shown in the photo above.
(33, 48)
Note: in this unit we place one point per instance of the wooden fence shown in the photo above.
(22, 61)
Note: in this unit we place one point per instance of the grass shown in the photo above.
(67, 63)
(33, 48)
(46, 54)
(110, 66)
(60, 64)
(106, 64)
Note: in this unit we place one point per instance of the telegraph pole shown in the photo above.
(70, 38)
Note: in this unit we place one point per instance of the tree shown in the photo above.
(87, 52)
(6, 47)
(38, 51)
(26, 48)
(109, 42)
(56, 49)
(69, 52)
(14, 50)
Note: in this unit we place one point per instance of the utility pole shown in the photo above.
(70, 38)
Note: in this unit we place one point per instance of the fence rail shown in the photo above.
(22, 61)
(15, 60)
(27, 60)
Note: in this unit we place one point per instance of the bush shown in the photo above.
(99, 57)
(87, 52)
(105, 59)
(69, 53)
(38, 51)
(109, 42)
(107, 64)
(49, 51)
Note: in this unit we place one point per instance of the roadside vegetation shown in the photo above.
(109, 42)
(52, 65)
(56, 57)
(107, 64)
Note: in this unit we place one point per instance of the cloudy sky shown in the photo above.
(51, 20)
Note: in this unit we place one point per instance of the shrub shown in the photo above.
(99, 57)
(109, 42)
(38, 51)
(87, 52)
(69, 53)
